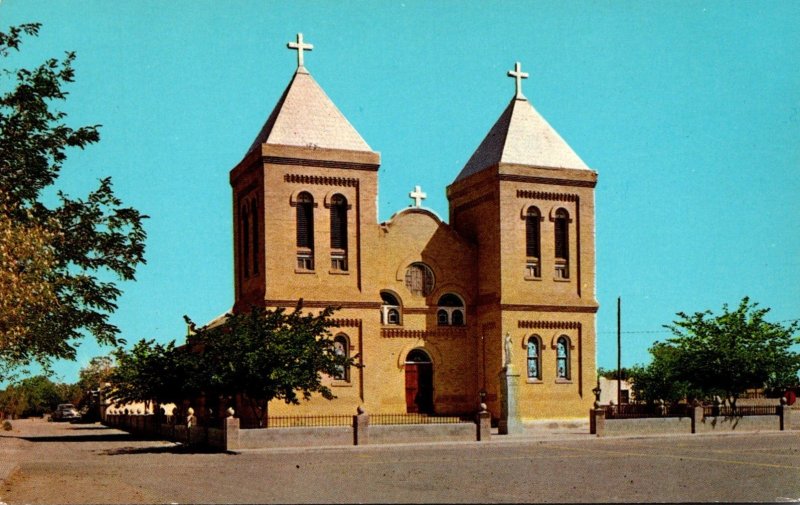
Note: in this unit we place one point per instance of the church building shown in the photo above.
(497, 305)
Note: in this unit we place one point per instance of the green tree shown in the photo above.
(661, 378)
(149, 372)
(96, 373)
(729, 353)
(35, 396)
(88, 240)
(720, 355)
(266, 355)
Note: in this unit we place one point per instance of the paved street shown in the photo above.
(89, 463)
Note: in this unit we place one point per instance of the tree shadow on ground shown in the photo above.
(106, 437)
(162, 449)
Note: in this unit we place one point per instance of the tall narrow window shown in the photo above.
(562, 358)
(246, 239)
(254, 217)
(305, 231)
(339, 233)
(534, 359)
(533, 241)
(561, 225)
(341, 347)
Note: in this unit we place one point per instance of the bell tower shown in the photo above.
(527, 201)
(301, 195)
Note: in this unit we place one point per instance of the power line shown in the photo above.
(665, 330)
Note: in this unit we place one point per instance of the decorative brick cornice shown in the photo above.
(544, 195)
(550, 308)
(549, 325)
(424, 334)
(318, 180)
(279, 160)
(345, 323)
(323, 304)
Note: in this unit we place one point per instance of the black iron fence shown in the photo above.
(415, 419)
(636, 410)
(316, 421)
(744, 410)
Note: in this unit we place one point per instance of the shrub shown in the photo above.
(7, 426)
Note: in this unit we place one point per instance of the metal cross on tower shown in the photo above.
(417, 195)
(518, 75)
(299, 46)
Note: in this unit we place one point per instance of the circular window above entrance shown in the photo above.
(419, 279)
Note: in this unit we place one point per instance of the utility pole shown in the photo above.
(619, 351)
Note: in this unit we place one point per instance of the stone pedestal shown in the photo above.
(509, 416)
(361, 427)
(483, 422)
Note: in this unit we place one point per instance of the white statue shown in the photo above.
(507, 350)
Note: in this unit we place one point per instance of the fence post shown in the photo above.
(697, 415)
(360, 427)
(785, 413)
(231, 434)
(483, 422)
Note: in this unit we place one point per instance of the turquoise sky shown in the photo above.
(689, 112)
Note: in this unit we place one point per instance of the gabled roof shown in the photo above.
(522, 136)
(305, 117)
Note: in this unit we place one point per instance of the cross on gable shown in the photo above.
(299, 46)
(518, 75)
(417, 195)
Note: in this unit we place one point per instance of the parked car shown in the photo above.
(66, 412)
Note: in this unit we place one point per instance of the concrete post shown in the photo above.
(785, 413)
(231, 434)
(483, 424)
(697, 416)
(509, 417)
(360, 427)
(599, 415)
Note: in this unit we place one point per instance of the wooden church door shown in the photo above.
(419, 382)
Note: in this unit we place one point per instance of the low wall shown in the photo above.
(295, 437)
(232, 437)
(648, 426)
(695, 422)
(420, 433)
(741, 423)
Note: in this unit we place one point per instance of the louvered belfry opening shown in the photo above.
(533, 233)
(305, 231)
(338, 232)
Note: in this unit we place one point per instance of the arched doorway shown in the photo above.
(419, 382)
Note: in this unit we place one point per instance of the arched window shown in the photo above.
(533, 241)
(419, 279)
(341, 347)
(254, 216)
(390, 309)
(451, 310)
(245, 211)
(561, 226)
(562, 358)
(305, 231)
(534, 358)
(339, 233)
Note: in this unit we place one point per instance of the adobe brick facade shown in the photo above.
(308, 148)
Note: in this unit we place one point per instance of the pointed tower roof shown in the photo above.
(522, 136)
(306, 117)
